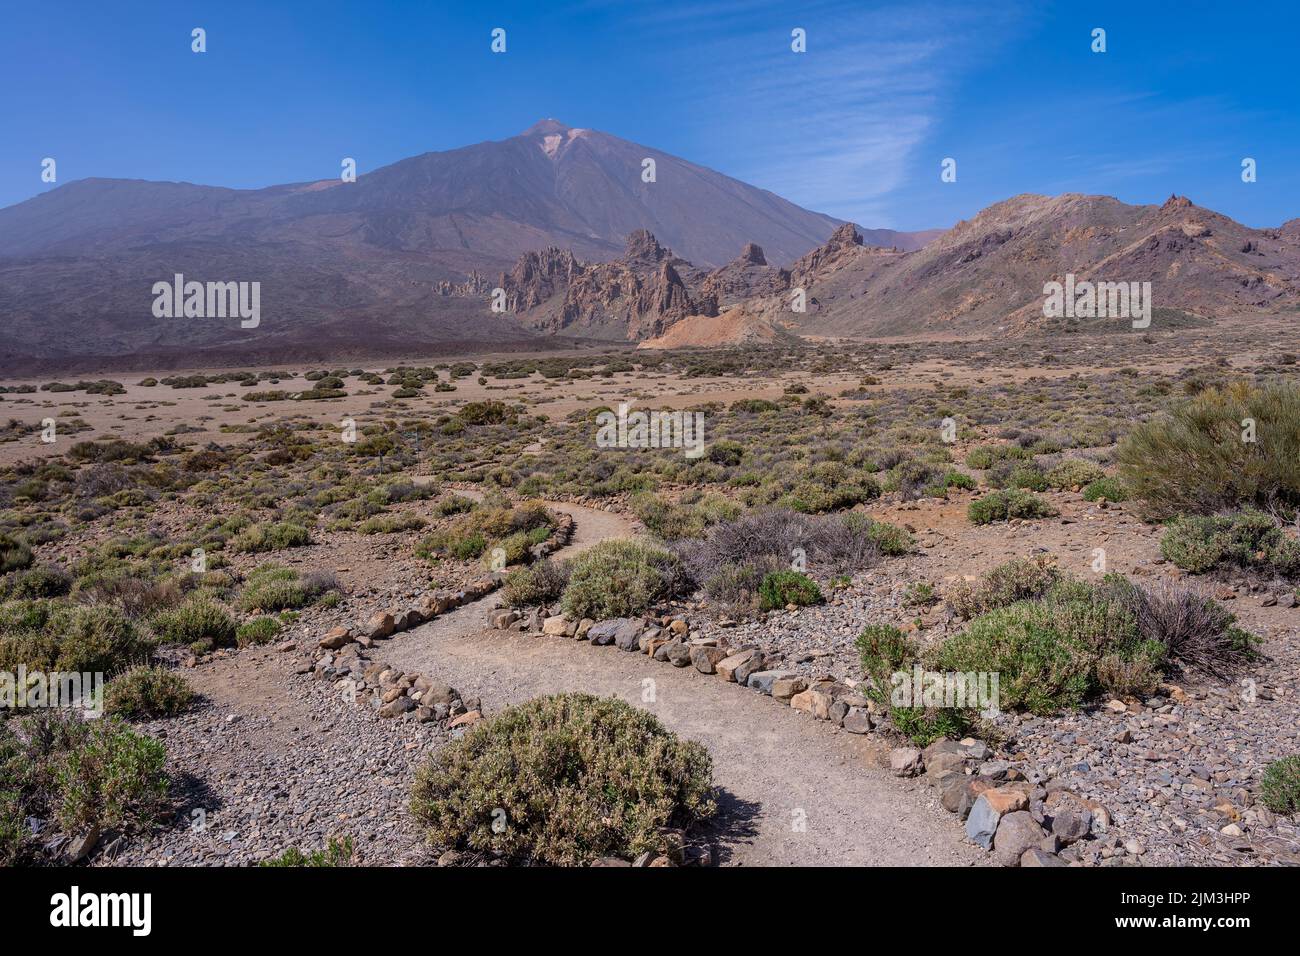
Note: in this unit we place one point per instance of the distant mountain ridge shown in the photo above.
(369, 262)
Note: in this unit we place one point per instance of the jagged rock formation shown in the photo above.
(636, 296)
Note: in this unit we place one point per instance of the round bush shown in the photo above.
(144, 693)
(540, 583)
(199, 619)
(578, 777)
(14, 554)
(620, 578)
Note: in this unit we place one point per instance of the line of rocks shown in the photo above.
(345, 657)
(1022, 818)
(345, 660)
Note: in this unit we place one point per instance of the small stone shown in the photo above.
(397, 707)
(706, 659)
(1038, 857)
(857, 721)
(905, 761)
(335, 638)
(814, 702)
(728, 665)
(379, 626)
(465, 719)
(557, 626)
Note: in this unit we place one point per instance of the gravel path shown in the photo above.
(795, 792)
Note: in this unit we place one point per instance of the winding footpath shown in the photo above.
(795, 791)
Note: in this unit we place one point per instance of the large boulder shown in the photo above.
(604, 632)
(728, 666)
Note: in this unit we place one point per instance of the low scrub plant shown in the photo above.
(54, 635)
(1016, 580)
(198, 622)
(1244, 539)
(621, 577)
(540, 583)
(779, 589)
(1005, 505)
(80, 774)
(337, 852)
(578, 777)
(1224, 448)
(1279, 787)
(145, 693)
(275, 536)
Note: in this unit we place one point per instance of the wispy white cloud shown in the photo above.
(837, 128)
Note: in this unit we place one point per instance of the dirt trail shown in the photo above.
(776, 766)
(795, 792)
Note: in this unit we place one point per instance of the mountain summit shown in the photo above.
(367, 261)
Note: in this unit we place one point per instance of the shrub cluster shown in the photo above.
(80, 774)
(1244, 539)
(1005, 505)
(144, 693)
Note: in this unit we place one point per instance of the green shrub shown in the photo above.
(920, 594)
(1246, 539)
(392, 524)
(41, 581)
(1030, 479)
(113, 778)
(1005, 505)
(986, 456)
(1016, 580)
(540, 583)
(79, 773)
(1112, 489)
(198, 620)
(885, 650)
(56, 636)
(147, 692)
(620, 577)
(337, 852)
(578, 777)
(1195, 461)
(1055, 653)
(1074, 473)
(14, 554)
(1279, 787)
(892, 540)
(259, 630)
(273, 587)
(271, 537)
(781, 588)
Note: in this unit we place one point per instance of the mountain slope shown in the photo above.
(370, 261)
(986, 275)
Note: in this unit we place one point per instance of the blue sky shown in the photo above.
(856, 127)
